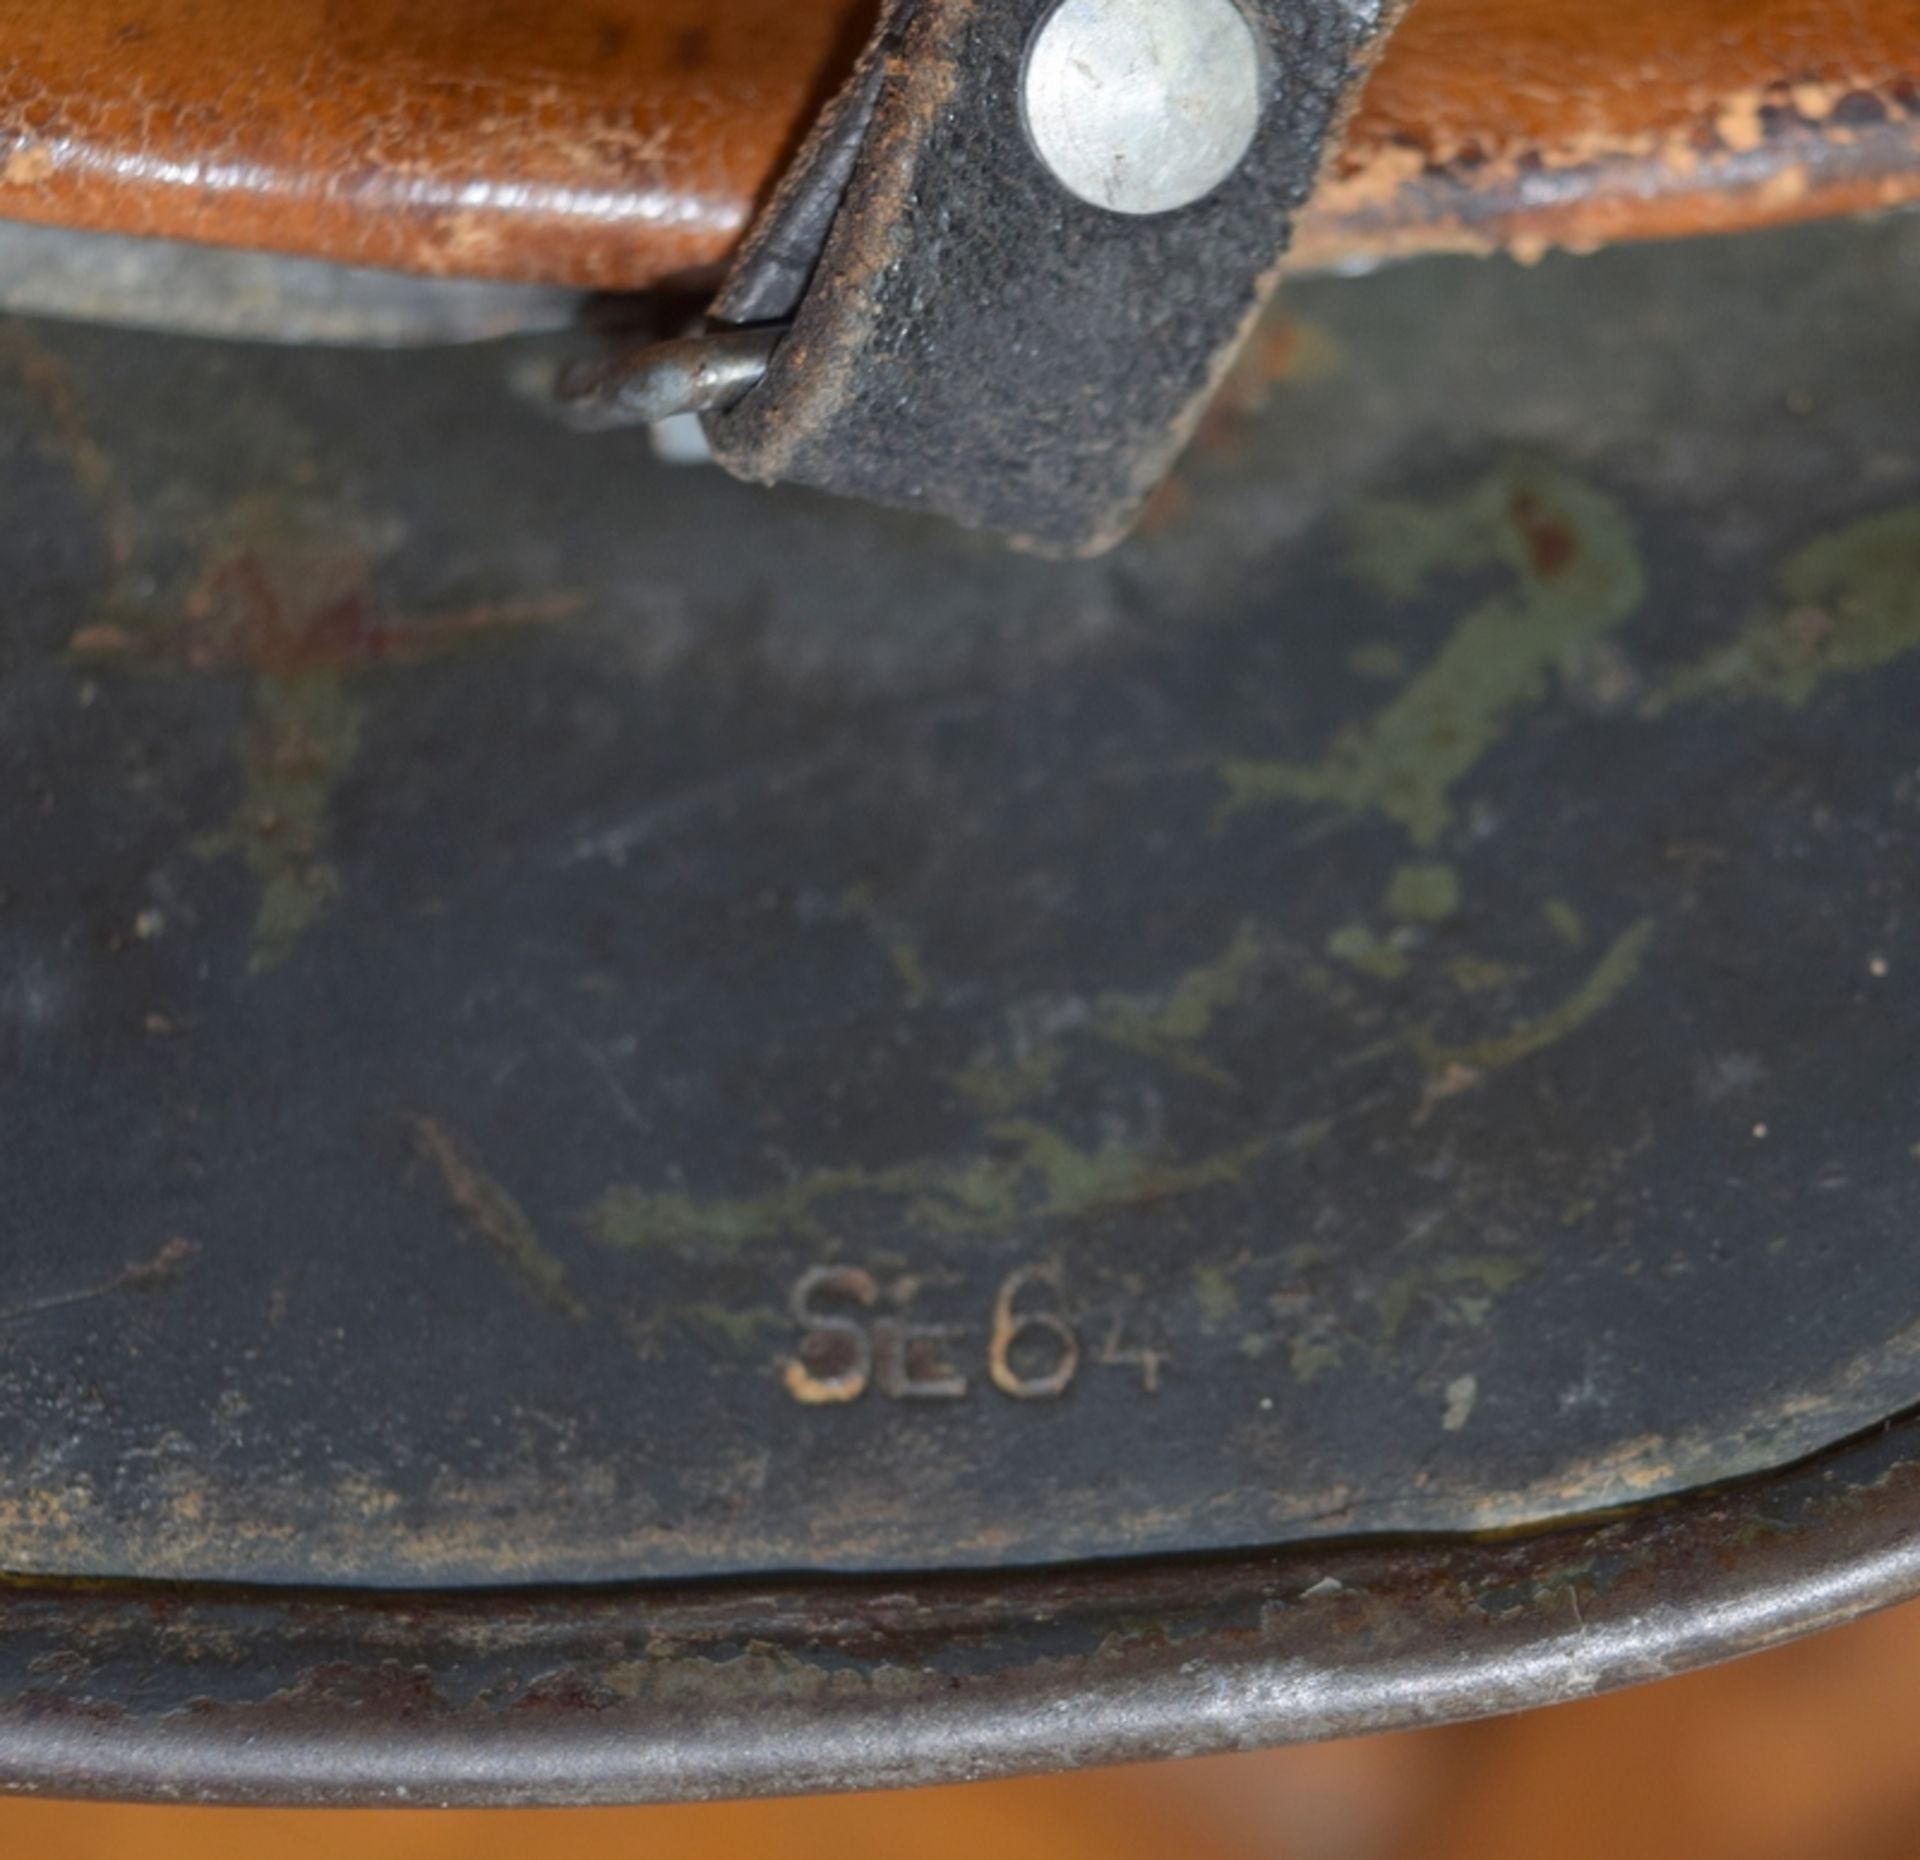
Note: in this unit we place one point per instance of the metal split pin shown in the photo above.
(707, 373)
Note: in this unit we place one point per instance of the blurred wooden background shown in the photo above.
(1808, 1754)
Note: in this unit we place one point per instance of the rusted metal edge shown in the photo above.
(791, 1686)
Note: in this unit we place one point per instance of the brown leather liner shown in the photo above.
(616, 144)
(602, 143)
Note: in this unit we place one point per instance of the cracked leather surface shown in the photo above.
(616, 143)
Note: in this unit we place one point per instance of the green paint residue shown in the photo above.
(1166, 1027)
(300, 739)
(1423, 894)
(1309, 1358)
(1312, 353)
(1000, 1090)
(1491, 1273)
(894, 941)
(1171, 1032)
(283, 596)
(911, 969)
(1036, 1175)
(490, 1212)
(1607, 980)
(1478, 975)
(1565, 922)
(1845, 604)
(738, 1331)
(1396, 1301)
(1576, 575)
(1214, 1292)
(1378, 660)
(1360, 948)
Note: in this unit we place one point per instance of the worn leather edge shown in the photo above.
(782, 249)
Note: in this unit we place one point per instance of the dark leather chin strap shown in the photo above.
(965, 335)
